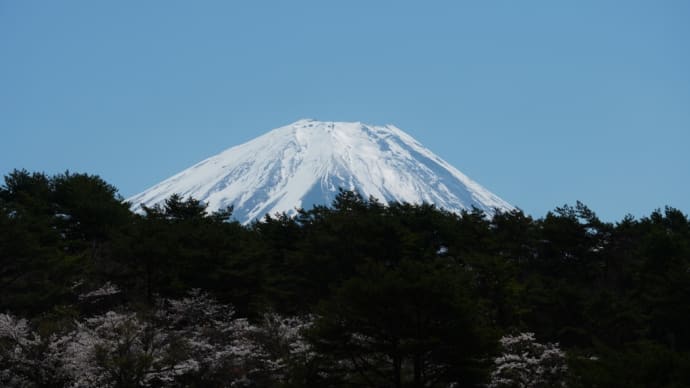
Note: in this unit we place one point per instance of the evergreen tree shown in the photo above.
(412, 325)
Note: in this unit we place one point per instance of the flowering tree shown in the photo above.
(115, 349)
(282, 346)
(20, 357)
(181, 341)
(526, 363)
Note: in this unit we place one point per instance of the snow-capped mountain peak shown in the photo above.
(305, 163)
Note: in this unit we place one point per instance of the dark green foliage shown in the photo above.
(413, 324)
(89, 209)
(638, 364)
(36, 266)
(179, 246)
(405, 295)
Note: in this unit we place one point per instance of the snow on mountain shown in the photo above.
(305, 163)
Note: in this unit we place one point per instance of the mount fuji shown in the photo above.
(307, 162)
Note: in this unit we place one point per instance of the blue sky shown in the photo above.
(542, 102)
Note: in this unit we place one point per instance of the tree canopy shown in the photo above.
(358, 293)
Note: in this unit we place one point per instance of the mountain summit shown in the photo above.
(305, 163)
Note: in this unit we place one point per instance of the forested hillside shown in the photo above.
(358, 294)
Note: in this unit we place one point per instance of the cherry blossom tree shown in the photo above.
(18, 352)
(526, 363)
(194, 339)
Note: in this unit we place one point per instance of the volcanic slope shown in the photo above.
(307, 162)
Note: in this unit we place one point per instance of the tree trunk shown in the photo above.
(397, 372)
(418, 383)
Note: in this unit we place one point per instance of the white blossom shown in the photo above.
(526, 363)
(20, 355)
(106, 290)
(281, 342)
(194, 335)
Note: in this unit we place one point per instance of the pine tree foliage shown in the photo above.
(354, 294)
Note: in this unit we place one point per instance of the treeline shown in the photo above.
(355, 294)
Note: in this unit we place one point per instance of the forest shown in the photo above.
(355, 294)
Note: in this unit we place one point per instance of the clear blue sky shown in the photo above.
(543, 102)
